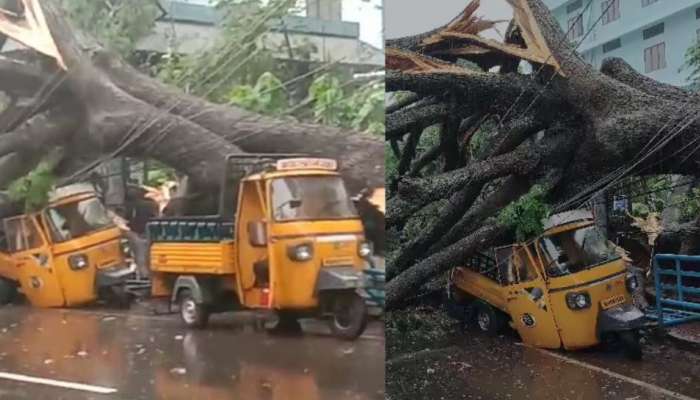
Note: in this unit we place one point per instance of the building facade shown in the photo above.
(322, 33)
(651, 35)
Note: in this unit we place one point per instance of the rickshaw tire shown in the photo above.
(631, 346)
(8, 291)
(496, 320)
(358, 319)
(201, 312)
(456, 303)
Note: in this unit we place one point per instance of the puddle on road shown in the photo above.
(147, 359)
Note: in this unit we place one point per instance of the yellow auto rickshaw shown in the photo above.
(287, 239)
(67, 254)
(568, 289)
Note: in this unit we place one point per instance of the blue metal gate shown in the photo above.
(677, 286)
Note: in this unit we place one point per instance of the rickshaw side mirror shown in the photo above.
(257, 233)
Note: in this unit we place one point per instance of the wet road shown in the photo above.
(477, 367)
(134, 357)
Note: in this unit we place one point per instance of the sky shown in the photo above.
(369, 14)
(408, 17)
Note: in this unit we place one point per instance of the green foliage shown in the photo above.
(238, 57)
(117, 24)
(525, 215)
(691, 205)
(391, 163)
(266, 97)
(361, 110)
(329, 103)
(33, 189)
(657, 195)
(158, 174)
(692, 63)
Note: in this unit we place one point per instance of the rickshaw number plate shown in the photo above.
(612, 301)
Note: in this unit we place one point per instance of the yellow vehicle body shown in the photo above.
(258, 260)
(540, 298)
(53, 270)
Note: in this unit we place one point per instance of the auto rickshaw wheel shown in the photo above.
(193, 314)
(456, 302)
(488, 319)
(631, 345)
(8, 291)
(349, 316)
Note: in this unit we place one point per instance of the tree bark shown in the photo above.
(100, 107)
(566, 126)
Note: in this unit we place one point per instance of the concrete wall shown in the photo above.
(325, 9)
(191, 38)
(680, 32)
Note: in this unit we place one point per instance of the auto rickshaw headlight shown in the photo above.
(126, 247)
(578, 300)
(632, 283)
(301, 252)
(78, 262)
(364, 249)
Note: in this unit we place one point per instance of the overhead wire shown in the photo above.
(141, 126)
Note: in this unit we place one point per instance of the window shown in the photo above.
(647, 2)
(576, 250)
(655, 57)
(575, 27)
(22, 234)
(612, 45)
(610, 10)
(653, 31)
(311, 198)
(75, 220)
(573, 6)
(697, 13)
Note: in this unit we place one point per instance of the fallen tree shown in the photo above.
(567, 127)
(66, 91)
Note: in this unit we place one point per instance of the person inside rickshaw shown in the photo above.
(75, 220)
(311, 198)
(576, 250)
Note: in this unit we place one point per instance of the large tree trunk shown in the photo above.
(568, 126)
(88, 101)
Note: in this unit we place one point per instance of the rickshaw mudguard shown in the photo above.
(621, 318)
(200, 292)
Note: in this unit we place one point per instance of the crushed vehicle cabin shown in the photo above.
(69, 253)
(287, 238)
(568, 289)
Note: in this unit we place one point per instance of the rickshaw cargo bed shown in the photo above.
(194, 258)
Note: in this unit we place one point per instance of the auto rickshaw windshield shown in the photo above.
(311, 198)
(75, 220)
(576, 250)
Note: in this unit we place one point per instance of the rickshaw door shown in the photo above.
(527, 300)
(37, 276)
(255, 271)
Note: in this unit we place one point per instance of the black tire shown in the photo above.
(349, 316)
(488, 319)
(287, 324)
(8, 291)
(193, 314)
(456, 302)
(631, 345)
